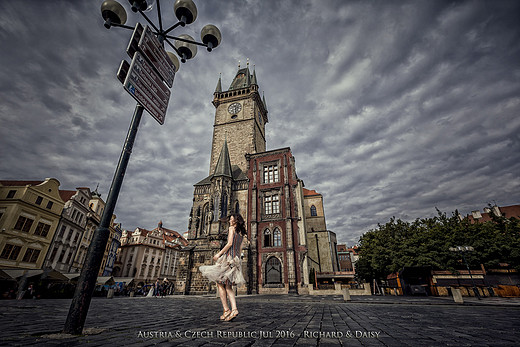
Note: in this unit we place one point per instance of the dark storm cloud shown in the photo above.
(391, 108)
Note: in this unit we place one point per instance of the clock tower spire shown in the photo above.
(241, 114)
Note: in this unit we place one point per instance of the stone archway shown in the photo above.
(273, 271)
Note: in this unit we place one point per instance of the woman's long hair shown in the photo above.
(240, 224)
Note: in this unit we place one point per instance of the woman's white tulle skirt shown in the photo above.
(226, 269)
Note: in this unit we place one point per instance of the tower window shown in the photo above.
(277, 238)
(271, 204)
(314, 213)
(271, 173)
(267, 238)
(11, 194)
(224, 206)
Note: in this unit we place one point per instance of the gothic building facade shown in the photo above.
(261, 185)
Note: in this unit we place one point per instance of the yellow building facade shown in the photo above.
(29, 215)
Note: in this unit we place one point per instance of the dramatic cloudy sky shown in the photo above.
(391, 108)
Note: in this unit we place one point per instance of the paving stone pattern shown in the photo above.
(266, 320)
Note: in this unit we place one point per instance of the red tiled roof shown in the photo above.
(171, 238)
(66, 195)
(171, 235)
(511, 211)
(308, 192)
(143, 231)
(20, 183)
(506, 211)
(341, 248)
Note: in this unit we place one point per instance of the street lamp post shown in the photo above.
(462, 250)
(114, 15)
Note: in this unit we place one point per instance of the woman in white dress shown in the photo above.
(227, 270)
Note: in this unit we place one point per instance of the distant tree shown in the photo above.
(426, 242)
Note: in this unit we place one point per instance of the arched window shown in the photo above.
(237, 207)
(314, 213)
(277, 238)
(273, 271)
(204, 219)
(223, 207)
(267, 238)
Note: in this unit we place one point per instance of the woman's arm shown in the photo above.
(231, 234)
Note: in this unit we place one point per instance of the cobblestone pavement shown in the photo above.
(267, 321)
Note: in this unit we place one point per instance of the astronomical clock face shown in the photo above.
(234, 108)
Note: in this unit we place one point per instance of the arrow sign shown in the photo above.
(146, 86)
(152, 49)
(144, 41)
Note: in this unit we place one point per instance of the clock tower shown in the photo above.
(240, 118)
(260, 185)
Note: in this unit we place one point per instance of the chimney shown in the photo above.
(476, 214)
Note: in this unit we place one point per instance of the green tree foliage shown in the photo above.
(426, 242)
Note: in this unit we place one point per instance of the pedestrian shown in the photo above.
(157, 288)
(227, 270)
(164, 287)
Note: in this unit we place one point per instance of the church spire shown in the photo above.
(253, 79)
(242, 78)
(248, 76)
(219, 84)
(223, 167)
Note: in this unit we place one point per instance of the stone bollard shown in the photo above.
(457, 296)
(110, 293)
(346, 295)
(337, 288)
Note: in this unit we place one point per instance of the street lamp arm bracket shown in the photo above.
(187, 41)
(172, 27)
(149, 21)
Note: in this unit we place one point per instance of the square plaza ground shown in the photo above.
(267, 320)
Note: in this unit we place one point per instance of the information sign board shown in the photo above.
(152, 49)
(147, 87)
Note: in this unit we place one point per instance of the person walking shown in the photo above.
(227, 270)
(164, 287)
(157, 288)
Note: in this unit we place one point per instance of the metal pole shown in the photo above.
(87, 280)
(470, 276)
